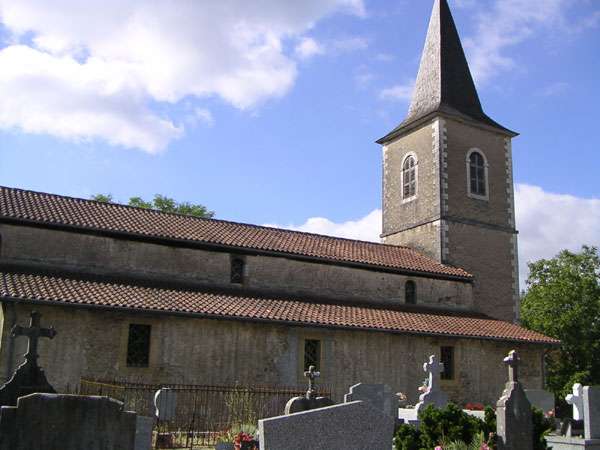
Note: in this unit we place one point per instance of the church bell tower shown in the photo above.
(447, 178)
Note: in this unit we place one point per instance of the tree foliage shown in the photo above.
(163, 204)
(563, 301)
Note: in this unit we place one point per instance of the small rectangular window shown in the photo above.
(447, 358)
(312, 353)
(138, 345)
(237, 270)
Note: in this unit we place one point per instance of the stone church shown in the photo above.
(164, 298)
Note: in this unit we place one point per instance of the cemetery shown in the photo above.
(34, 415)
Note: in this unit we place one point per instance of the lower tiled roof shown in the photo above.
(56, 210)
(70, 290)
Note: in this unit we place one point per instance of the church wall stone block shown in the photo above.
(109, 256)
(93, 343)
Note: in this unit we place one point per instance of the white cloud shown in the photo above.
(554, 89)
(205, 116)
(509, 23)
(365, 228)
(402, 92)
(349, 44)
(550, 222)
(86, 69)
(308, 47)
(547, 223)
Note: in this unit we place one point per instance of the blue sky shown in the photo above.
(268, 113)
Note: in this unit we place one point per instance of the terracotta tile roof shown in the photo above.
(21, 205)
(77, 291)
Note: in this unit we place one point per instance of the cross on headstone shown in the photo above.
(28, 378)
(434, 368)
(576, 399)
(33, 332)
(512, 361)
(311, 374)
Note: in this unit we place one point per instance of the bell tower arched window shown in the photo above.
(409, 177)
(410, 292)
(477, 174)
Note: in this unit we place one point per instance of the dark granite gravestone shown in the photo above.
(513, 411)
(310, 401)
(28, 378)
(67, 422)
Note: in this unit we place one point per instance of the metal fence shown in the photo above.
(203, 412)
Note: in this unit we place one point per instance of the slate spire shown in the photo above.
(444, 83)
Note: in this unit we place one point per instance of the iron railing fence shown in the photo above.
(202, 412)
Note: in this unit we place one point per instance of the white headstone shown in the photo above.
(576, 399)
(433, 395)
(165, 404)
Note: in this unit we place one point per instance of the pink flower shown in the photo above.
(439, 447)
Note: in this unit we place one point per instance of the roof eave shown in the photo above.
(414, 123)
(122, 309)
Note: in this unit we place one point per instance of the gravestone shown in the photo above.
(66, 422)
(433, 395)
(310, 400)
(541, 399)
(355, 425)
(165, 404)
(591, 411)
(513, 411)
(576, 399)
(143, 433)
(28, 378)
(380, 396)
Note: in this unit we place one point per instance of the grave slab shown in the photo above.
(572, 443)
(348, 426)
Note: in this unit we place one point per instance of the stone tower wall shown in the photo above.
(448, 224)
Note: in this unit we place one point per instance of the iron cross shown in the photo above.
(33, 332)
(512, 361)
(311, 374)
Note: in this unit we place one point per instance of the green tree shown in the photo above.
(563, 301)
(162, 203)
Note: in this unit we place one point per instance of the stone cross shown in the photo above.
(576, 399)
(29, 378)
(311, 374)
(434, 394)
(33, 332)
(512, 361)
(434, 368)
